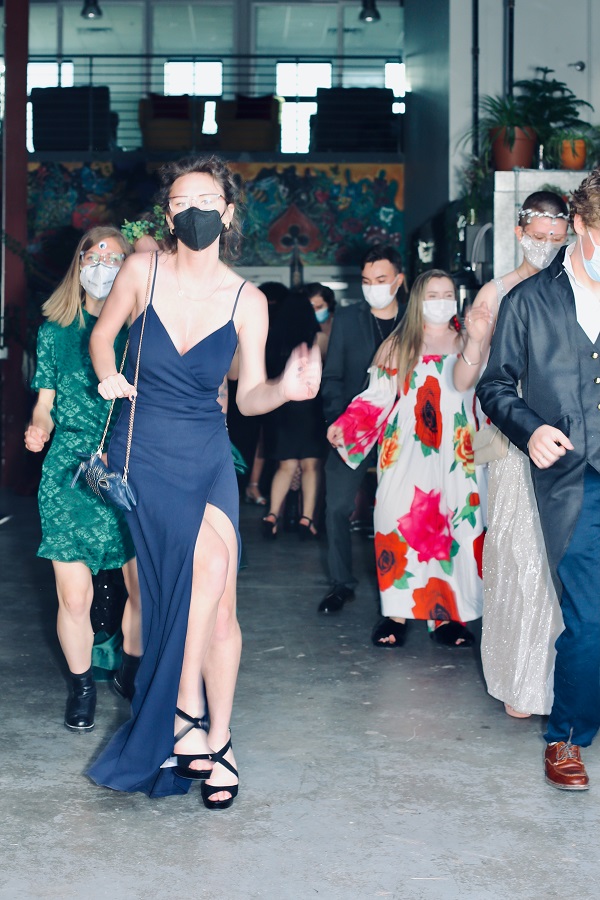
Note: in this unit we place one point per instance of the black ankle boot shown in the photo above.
(124, 677)
(81, 703)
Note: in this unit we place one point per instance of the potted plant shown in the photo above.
(572, 147)
(506, 132)
(552, 108)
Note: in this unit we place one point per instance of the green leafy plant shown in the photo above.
(584, 132)
(549, 105)
(151, 223)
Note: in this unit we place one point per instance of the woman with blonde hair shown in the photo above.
(80, 534)
(429, 522)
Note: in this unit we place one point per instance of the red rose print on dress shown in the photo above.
(478, 552)
(436, 601)
(390, 555)
(428, 418)
(426, 527)
(358, 424)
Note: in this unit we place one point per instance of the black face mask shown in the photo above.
(196, 228)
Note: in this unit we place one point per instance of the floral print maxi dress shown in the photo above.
(429, 525)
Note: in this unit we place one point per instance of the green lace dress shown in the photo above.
(76, 524)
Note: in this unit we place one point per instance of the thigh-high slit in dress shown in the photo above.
(180, 461)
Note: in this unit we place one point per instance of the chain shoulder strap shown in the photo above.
(100, 449)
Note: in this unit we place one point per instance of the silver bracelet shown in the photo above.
(470, 363)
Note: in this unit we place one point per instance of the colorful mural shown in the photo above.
(330, 211)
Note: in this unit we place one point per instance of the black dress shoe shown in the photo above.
(124, 677)
(334, 600)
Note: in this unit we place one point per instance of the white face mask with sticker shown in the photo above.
(98, 280)
(439, 312)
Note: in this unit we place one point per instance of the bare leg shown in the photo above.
(215, 565)
(281, 484)
(253, 490)
(311, 481)
(75, 593)
(132, 614)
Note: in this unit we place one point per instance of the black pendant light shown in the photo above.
(91, 10)
(369, 12)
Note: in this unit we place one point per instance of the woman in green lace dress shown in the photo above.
(80, 533)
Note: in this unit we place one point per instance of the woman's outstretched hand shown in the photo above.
(116, 386)
(478, 322)
(302, 376)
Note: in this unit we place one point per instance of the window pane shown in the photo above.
(291, 28)
(295, 126)
(302, 79)
(395, 78)
(120, 30)
(374, 38)
(44, 75)
(204, 78)
(43, 28)
(195, 28)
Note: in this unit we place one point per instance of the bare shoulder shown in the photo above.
(251, 303)
(488, 294)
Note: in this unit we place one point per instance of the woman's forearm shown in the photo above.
(468, 365)
(262, 398)
(102, 354)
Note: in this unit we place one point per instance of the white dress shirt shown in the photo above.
(587, 304)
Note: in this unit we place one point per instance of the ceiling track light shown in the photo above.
(91, 10)
(369, 12)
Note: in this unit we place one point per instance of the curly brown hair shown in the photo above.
(228, 182)
(586, 200)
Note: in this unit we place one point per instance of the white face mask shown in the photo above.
(439, 312)
(378, 296)
(98, 280)
(539, 254)
(591, 266)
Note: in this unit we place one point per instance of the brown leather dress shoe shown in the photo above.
(564, 768)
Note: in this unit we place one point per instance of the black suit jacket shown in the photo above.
(534, 342)
(352, 346)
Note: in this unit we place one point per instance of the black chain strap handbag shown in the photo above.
(113, 487)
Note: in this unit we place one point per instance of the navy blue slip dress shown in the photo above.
(180, 461)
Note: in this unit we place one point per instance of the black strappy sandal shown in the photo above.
(184, 760)
(268, 528)
(305, 532)
(218, 756)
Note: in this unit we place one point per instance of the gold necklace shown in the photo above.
(182, 293)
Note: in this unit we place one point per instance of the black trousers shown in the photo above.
(342, 484)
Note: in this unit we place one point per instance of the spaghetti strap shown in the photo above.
(236, 300)
(155, 252)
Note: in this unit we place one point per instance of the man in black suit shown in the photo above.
(548, 338)
(357, 332)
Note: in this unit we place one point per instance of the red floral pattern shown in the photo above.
(358, 424)
(390, 554)
(436, 601)
(428, 419)
(478, 552)
(427, 528)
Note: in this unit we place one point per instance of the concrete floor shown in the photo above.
(365, 773)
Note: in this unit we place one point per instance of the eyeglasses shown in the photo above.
(204, 202)
(91, 258)
(547, 238)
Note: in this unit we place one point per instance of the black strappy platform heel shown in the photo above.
(268, 528)
(218, 756)
(184, 760)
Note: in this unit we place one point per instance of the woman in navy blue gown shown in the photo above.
(185, 524)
